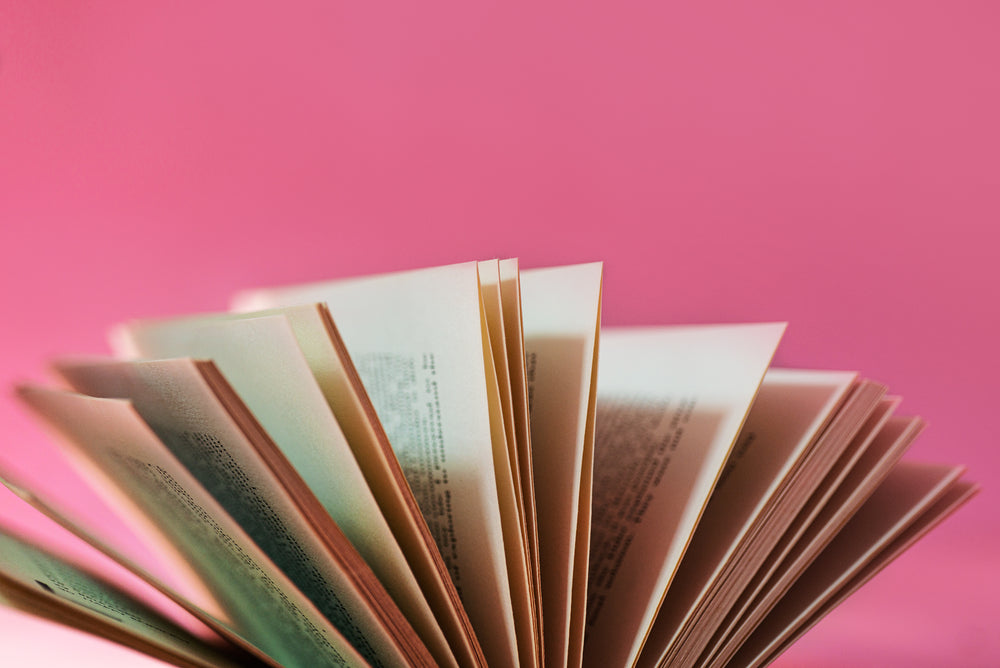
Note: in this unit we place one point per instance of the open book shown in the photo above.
(457, 466)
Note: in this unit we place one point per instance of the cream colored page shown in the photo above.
(822, 500)
(262, 604)
(878, 458)
(510, 297)
(70, 639)
(262, 360)
(560, 311)
(670, 403)
(205, 612)
(505, 463)
(790, 410)
(808, 483)
(135, 538)
(910, 489)
(581, 561)
(416, 341)
(489, 281)
(57, 582)
(437, 615)
(955, 497)
(182, 408)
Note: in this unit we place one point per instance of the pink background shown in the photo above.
(830, 164)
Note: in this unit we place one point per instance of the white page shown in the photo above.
(909, 490)
(786, 419)
(190, 408)
(506, 464)
(955, 497)
(670, 403)
(804, 483)
(510, 297)
(416, 339)
(561, 316)
(263, 361)
(191, 596)
(41, 581)
(448, 633)
(145, 481)
(874, 452)
(489, 279)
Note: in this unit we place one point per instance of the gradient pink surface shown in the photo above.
(830, 164)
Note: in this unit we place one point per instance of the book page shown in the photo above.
(820, 500)
(263, 361)
(489, 284)
(337, 377)
(671, 402)
(810, 480)
(909, 490)
(892, 437)
(787, 417)
(510, 297)
(55, 588)
(262, 604)
(843, 443)
(198, 418)
(954, 498)
(505, 462)
(449, 632)
(561, 317)
(416, 339)
(204, 610)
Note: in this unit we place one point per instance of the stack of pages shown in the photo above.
(457, 466)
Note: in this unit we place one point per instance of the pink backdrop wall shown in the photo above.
(830, 164)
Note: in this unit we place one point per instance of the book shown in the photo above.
(459, 466)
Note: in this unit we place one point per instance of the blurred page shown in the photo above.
(671, 402)
(152, 487)
(262, 359)
(39, 582)
(561, 310)
(416, 339)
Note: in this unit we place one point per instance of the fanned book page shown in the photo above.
(561, 312)
(912, 499)
(891, 438)
(786, 419)
(131, 463)
(671, 402)
(34, 579)
(187, 593)
(249, 350)
(457, 466)
(199, 419)
(262, 360)
(416, 339)
(505, 459)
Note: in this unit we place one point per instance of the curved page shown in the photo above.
(38, 581)
(671, 402)
(787, 417)
(199, 604)
(262, 360)
(195, 414)
(416, 339)
(130, 462)
(561, 308)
